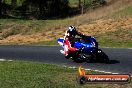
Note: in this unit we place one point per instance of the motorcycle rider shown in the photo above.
(69, 38)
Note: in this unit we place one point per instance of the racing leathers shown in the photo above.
(69, 50)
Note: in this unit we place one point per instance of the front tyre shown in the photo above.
(103, 57)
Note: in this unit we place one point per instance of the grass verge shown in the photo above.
(118, 38)
(126, 12)
(18, 74)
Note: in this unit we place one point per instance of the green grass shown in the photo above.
(76, 2)
(19, 2)
(17, 74)
(115, 43)
(73, 2)
(127, 12)
(119, 38)
(33, 26)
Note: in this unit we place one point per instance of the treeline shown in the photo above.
(41, 9)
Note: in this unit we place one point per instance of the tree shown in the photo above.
(81, 5)
(44, 9)
(14, 3)
(0, 8)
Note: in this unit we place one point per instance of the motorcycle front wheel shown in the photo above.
(102, 57)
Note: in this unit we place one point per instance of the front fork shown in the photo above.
(95, 53)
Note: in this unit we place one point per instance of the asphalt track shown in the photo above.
(121, 58)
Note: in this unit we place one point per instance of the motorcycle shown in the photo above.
(88, 50)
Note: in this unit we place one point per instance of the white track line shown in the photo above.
(101, 71)
(95, 70)
(2, 59)
(5, 60)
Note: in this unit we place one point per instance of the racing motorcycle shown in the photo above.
(88, 50)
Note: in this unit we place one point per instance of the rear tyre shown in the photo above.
(90, 59)
(79, 58)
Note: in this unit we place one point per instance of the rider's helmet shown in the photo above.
(71, 31)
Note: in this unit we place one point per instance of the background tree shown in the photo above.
(47, 8)
(14, 3)
(79, 3)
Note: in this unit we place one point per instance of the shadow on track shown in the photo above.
(110, 62)
(113, 62)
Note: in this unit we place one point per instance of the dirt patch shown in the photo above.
(104, 26)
